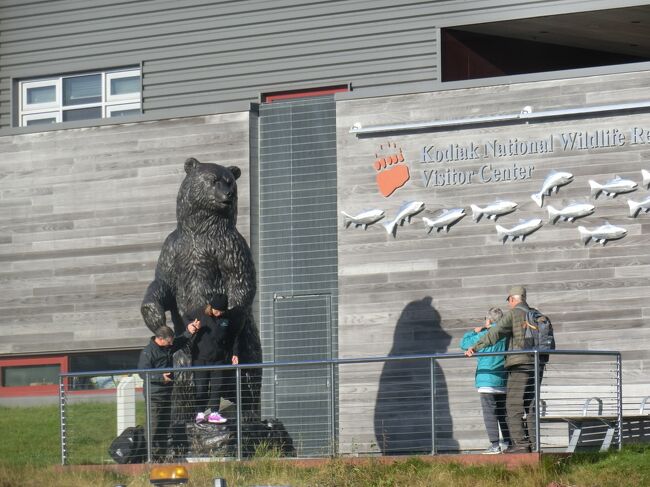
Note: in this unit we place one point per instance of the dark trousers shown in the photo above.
(529, 404)
(229, 387)
(209, 385)
(494, 416)
(520, 402)
(160, 420)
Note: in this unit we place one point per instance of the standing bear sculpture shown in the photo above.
(206, 255)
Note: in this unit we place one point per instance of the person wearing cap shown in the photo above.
(520, 367)
(212, 346)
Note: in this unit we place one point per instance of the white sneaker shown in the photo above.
(200, 418)
(216, 418)
(492, 450)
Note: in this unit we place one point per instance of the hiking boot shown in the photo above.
(493, 450)
(200, 418)
(216, 418)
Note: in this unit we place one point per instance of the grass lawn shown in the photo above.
(30, 446)
(31, 436)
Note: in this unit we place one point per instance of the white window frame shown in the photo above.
(37, 107)
(108, 103)
(39, 116)
(126, 106)
(110, 98)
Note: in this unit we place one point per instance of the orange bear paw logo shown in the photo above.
(391, 173)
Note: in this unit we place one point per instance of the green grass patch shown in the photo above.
(31, 446)
(31, 436)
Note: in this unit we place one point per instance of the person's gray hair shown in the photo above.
(494, 314)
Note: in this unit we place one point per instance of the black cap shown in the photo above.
(220, 302)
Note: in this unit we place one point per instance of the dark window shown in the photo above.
(97, 362)
(91, 362)
(82, 114)
(542, 44)
(81, 90)
(30, 375)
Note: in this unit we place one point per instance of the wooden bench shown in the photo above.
(578, 423)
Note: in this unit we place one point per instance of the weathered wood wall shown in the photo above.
(419, 292)
(83, 214)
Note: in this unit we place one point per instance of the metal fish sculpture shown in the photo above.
(570, 213)
(444, 220)
(525, 227)
(602, 234)
(612, 187)
(363, 219)
(406, 212)
(636, 207)
(493, 210)
(646, 178)
(553, 181)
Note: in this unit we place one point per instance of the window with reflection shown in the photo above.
(77, 97)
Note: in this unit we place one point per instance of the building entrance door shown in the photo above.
(303, 393)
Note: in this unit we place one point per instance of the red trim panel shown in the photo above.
(44, 390)
(285, 95)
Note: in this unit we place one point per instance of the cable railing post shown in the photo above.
(332, 412)
(432, 385)
(147, 402)
(537, 404)
(619, 398)
(238, 409)
(62, 416)
(332, 368)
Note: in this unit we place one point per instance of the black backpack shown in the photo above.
(130, 446)
(538, 333)
(269, 434)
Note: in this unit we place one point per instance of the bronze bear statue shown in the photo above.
(206, 255)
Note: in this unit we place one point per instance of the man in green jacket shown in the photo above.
(520, 367)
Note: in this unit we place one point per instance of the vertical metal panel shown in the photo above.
(302, 399)
(302, 327)
(297, 228)
(298, 255)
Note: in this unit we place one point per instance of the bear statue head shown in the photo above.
(207, 195)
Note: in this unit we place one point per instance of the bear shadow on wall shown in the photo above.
(206, 255)
(403, 409)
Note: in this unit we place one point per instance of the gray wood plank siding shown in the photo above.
(419, 292)
(83, 214)
(202, 57)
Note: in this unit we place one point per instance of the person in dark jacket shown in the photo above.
(158, 354)
(212, 346)
(491, 380)
(521, 373)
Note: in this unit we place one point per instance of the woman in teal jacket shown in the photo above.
(491, 380)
